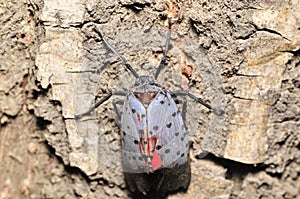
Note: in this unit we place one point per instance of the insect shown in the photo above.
(155, 146)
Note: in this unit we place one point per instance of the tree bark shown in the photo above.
(239, 56)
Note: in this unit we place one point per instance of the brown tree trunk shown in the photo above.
(241, 57)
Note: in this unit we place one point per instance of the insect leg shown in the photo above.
(162, 63)
(107, 44)
(115, 103)
(104, 99)
(199, 100)
(183, 110)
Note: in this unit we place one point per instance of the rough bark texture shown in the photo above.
(239, 56)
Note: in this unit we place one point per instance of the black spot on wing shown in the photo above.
(169, 125)
(155, 128)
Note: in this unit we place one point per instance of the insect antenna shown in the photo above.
(107, 44)
(162, 63)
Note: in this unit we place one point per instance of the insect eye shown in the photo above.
(137, 95)
(155, 84)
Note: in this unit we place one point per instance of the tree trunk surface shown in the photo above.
(242, 57)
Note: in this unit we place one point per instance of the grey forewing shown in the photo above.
(162, 119)
(132, 159)
(163, 113)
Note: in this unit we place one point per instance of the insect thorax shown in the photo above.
(145, 88)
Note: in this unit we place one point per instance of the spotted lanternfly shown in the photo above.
(155, 144)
